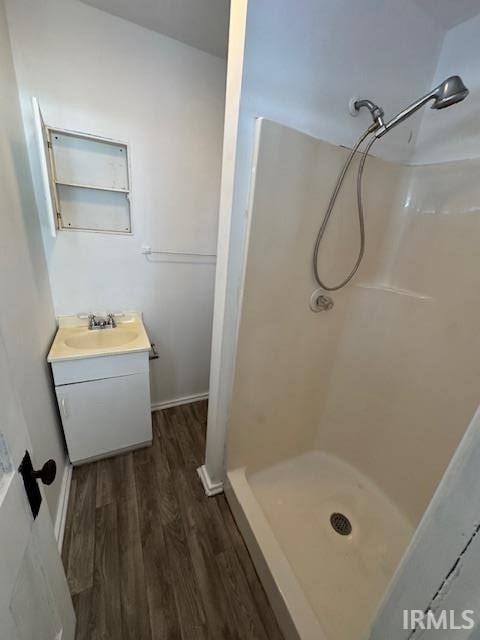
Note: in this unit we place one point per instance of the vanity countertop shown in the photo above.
(74, 340)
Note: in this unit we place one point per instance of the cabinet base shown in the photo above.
(111, 454)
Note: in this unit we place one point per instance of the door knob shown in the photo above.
(30, 480)
(47, 473)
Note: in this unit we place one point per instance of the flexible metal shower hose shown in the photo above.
(331, 205)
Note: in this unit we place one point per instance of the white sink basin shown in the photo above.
(101, 338)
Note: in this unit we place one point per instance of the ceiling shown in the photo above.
(204, 23)
(199, 23)
(450, 12)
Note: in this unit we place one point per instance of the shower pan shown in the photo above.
(343, 423)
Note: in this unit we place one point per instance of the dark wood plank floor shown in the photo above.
(149, 557)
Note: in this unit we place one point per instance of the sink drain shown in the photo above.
(341, 524)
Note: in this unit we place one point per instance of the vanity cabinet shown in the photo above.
(104, 404)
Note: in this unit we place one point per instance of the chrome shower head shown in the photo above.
(451, 91)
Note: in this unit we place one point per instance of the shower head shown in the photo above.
(449, 92)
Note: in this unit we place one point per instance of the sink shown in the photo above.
(101, 339)
(74, 340)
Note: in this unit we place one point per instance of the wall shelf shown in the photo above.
(86, 179)
(90, 186)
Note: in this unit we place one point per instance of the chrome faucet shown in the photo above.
(95, 323)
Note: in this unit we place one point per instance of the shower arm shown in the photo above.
(376, 112)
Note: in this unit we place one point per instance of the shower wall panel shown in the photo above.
(285, 351)
(406, 373)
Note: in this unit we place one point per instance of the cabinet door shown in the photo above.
(47, 198)
(104, 416)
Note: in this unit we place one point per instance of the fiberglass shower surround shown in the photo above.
(334, 414)
(449, 92)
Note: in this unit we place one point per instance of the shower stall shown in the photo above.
(343, 422)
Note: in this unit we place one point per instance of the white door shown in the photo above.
(35, 602)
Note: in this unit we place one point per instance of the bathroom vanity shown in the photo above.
(102, 385)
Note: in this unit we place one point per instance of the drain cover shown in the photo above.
(341, 524)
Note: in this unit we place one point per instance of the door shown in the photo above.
(35, 602)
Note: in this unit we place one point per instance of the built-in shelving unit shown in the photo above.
(86, 180)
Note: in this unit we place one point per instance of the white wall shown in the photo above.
(97, 73)
(223, 342)
(301, 66)
(454, 133)
(27, 321)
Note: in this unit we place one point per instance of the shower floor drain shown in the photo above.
(341, 524)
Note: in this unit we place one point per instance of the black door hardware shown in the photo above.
(47, 473)
(30, 480)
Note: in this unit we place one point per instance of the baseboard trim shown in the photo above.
(62, 508)
(166, 404)
(211, 488)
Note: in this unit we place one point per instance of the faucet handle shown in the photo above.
(91, 320)
(111, 320)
